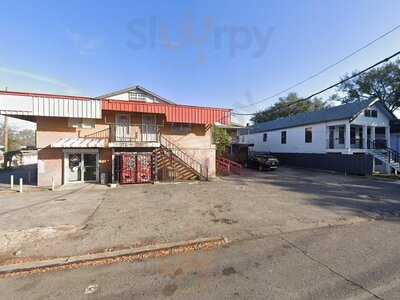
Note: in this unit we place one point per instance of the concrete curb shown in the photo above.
(142, 252)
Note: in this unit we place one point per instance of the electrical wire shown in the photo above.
(324, 69)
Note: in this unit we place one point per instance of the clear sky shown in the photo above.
(209, 52)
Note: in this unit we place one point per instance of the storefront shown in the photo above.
(81, 165)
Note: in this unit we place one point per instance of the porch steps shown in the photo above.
(388, 157)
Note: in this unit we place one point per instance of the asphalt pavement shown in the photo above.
(358, 261)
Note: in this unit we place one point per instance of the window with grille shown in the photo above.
(308, 135)
(136, 96)
(371, 113)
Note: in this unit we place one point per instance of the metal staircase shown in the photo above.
(183, 165)
(388, 156)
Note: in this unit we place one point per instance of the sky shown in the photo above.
(207, 53)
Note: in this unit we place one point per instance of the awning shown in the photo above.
(79, 143)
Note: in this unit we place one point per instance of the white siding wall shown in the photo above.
(50, 107)
(295, 140)
(125, 97)
(381, 121)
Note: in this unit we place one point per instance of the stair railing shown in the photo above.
(390, 154)
(184, 157)
(229, 166)
(101, 134)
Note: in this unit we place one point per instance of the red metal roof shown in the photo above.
(173, 113)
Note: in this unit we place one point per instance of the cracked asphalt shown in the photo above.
(357, 261)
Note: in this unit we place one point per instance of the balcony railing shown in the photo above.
(116, 133)
(134, 133)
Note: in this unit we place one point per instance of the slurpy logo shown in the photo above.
(203, 37)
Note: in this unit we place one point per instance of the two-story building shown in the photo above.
(128, 136)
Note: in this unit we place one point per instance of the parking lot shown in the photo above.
(90, 218)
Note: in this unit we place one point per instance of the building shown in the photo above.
(333, 138)
(128, 136)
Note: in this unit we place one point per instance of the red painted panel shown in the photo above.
(173, 113)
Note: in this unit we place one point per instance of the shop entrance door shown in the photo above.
(81, 166)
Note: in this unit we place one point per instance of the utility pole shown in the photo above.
(5, 131)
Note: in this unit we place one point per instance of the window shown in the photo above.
(81, 123)
(135, 96)
(371, 113)
(265, 137)
(341, 134)
(308, 135)
(283, 137)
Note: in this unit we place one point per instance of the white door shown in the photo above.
(149, 128)
(81, 166)
(122, 127)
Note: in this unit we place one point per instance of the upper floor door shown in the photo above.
(149, 128)
(122, 127)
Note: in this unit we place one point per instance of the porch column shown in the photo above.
(365, 136)
(347, 138)
(387, 136)
(372, 136)
(112, 167)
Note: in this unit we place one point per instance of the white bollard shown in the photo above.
(12, 181)
(52, 183)
(21, 182)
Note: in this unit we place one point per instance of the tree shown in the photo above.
(382, 83)
(285, 108)
(18, 138)
(222, 140)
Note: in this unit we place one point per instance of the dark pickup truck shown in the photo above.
(262, 161)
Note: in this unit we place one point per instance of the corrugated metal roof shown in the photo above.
(32, 104)
(173, 113)
(79, 143)
(341, 112)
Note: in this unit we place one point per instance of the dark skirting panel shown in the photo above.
(359, 164)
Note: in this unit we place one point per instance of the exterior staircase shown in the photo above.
(388, 156)
(175, 164)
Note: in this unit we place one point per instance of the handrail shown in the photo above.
(101, 134)
(183, 156)
(391, 154)
(222, 167)
(232, 166)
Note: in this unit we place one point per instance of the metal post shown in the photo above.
(12, 181)
(21, 182)
(52, 183)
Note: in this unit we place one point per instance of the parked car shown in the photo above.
(262, 161)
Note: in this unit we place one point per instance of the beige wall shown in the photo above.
(197, 144)
(50, 165)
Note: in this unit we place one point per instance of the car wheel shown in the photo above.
(260, 168)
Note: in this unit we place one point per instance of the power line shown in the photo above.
(324, 69)
(339, 83)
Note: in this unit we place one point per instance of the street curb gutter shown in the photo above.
(131, 254)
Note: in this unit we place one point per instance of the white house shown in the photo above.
(350, 129)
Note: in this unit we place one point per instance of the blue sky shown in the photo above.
(237, 51)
